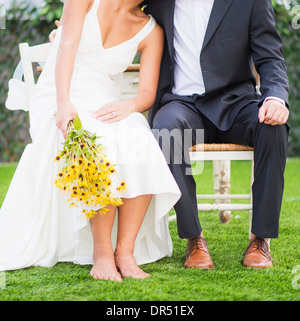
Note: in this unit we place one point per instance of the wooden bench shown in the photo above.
(221, 155)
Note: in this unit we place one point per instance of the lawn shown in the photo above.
(169, 281)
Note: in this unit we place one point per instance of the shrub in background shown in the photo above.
(23, 24)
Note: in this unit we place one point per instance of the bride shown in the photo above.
(96, 41)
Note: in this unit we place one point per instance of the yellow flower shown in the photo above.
(122, 186)
(87, 174)
(90, 214)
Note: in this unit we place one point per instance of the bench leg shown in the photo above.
(251, 199)
(224, 187)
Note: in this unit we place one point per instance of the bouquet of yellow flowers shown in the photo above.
(86, 175)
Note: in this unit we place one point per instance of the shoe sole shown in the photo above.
(200, 267)
(257, 267)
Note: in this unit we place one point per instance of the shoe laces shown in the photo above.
(196, 243)
(261, 245)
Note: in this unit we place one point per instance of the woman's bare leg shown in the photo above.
(131, 215)
(103, 254)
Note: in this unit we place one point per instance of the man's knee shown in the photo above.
(274, 136)
(169, 117)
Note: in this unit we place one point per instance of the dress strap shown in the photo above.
(95, 5)
(144, 32)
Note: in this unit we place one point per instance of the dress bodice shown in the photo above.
(95, 69)
(114, 59)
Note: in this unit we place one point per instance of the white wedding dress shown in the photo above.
(37, 227)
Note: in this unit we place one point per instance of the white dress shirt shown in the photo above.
(190, 24)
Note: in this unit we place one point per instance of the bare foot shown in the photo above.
(128, 267)
(105, 270)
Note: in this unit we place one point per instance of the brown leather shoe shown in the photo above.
(197, 255)
(257, 254)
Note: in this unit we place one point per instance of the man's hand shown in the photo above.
(53, 32)
(272, 112)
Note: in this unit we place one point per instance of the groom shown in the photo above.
(207, 83)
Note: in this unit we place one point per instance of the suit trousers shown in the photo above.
(270, 148)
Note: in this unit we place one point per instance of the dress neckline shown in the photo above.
(121, 43)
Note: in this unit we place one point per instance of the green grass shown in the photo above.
(169, 281)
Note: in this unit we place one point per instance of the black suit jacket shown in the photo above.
(239, 33)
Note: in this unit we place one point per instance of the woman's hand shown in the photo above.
(114, 111)
(53, 32)
(65, 113)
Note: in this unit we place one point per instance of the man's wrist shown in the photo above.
(275, 98)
